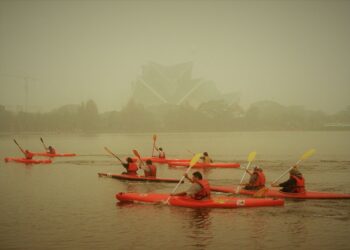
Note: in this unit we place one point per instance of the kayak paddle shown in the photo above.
(192, 163)
(154, 144)
(19, 146)
(111, 153)
(42, 141)
(138, 156)
(190, 152)
(306, 155)
(251, 157)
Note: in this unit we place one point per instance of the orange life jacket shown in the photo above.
(161, 154)
(152, 172)
(204, 192)
(52, 151)
(132, 168)
(207, 159)
(29, 155)
(260, 181)
(300, 184)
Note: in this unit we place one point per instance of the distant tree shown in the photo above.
(135, 118)
(88, 116)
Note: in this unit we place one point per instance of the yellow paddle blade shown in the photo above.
(251, 156)
(195, 159)
(307, 154)
(136, 153)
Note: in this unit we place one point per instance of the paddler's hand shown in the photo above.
(274, 184)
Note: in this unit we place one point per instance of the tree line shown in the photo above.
(209, 116)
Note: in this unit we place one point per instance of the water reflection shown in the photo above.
(197, 223)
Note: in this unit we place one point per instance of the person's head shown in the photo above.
(149, 162)
(256, 169)
(129, 160)
(161, 149)
(205, 153)
(295, 172)
(26, 151)
(197, 175)
(50, 148)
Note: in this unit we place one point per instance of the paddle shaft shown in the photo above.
(240, 183)
(251, 157)
(192, 163)
(190, 151)
(42, 141)
(154, 144)
(110, 152)
(136, 153)
(285, 172)
(306, 155)
(19, 146)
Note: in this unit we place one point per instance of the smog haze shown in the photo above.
(67, 52)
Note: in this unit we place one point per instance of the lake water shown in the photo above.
(65, 205)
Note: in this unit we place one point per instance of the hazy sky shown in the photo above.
(292, 52)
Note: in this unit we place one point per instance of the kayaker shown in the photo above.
(257, 179)
(200, 188)
(28, 155)
(161, 153)
(295, 183)
(205, 158)
(51, 150)
(150, 170)
(130, 166)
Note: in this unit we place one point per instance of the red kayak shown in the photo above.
(138, 178)
(185, 201)
(161, 160)
(205, 165)
(27, 161)
(274, 192)
(54, 155)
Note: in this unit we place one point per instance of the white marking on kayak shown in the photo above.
(240, 203)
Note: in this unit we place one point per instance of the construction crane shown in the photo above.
(27, 80)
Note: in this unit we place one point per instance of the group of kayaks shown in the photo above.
(49, 152)
(275, 196)
(173, 163)
(37, 161)
(272, 196)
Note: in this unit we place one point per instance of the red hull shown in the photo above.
(138, 178)
(162, 160)
(205, 165)
(55, 155)
(274, 192)
(214, 202)
(27, 161)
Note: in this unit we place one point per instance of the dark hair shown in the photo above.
(205, 153)
(149, 162)
(160, 149)
(198, 175)
(129, 160)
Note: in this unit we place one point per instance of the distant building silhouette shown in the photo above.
(174, 85)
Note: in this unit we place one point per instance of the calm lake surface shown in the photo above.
(65, 205)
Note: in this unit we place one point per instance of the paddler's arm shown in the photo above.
(125, 165)
(248, 172)
(188, 178)
(179, 194)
